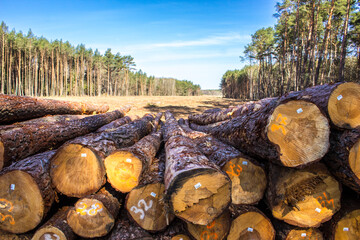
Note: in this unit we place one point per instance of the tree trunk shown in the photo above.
(56, 227)
(285, 231)
(72, 161)
(94, 215)
(117, 123)
(25, 140)
(344, 42)
(26, 193)
(344, 157)
(249, 223)
(248, 177)
(304, 198)
(196, 189)
(16, 108)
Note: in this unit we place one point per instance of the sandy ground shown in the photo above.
(180, 106)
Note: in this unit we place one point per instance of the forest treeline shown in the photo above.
(313, 42)
(35, 66)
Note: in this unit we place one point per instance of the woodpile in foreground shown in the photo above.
(278, 168)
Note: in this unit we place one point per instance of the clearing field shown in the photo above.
(180, 106)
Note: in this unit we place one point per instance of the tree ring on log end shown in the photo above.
(354, 159)
(199, 195)
(90, 218)
(300, 131)
(251, 225)
(348, 227)
(248, 181)
(2, 152)
(309, 233)
(49, 232)
(21, 203)
(77, 171)
(123, 170)
(344, 105)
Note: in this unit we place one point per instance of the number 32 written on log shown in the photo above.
(141, 211)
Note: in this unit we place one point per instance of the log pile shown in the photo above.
(278, 168)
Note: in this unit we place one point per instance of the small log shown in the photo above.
(248, 177)
(12, 236)
(20, 108)
(285, 231)
(126, 230)
(217, 229)
(196, 189)
(145, 203)
(117, 123)
(56, 227)
(343, 158)
(94, 215)
(25, 140)
(304, 198)
(250, 223)
(26, 194)
(81, 160)
(124, 167)
(291, 133)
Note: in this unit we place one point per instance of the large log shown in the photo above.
(25, 140)
(217, 229)
(248, 177)
(94, 215)
(124, 167)
(19, 108)
(117, 123)
(26, 194)
(77, 168)
(288, 132)
(304, 198)
(196, 189)
(249, 223)
(56, 227)
(145, 203)
(343, 158)
(285, 231)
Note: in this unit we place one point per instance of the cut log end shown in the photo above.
(2, 152)
(49, 233)
(77, 171)
(90, 218)
(348, 227)
(309, 233)
(201, 196)
(354, 159)
(248, 181)
(300, 131)
(180, 237)
(123, 170)
(344, 105)
(251, 225)
(146, 206)
(309, 199)
(21, 203)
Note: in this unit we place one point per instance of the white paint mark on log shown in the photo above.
(128, 160)
(83, 155)
(153, 194)
(299, 110)
(339, 97)
(197, 185)
(345, 229)
(318, 210)
(250, 229)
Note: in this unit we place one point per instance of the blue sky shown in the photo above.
(193, 40)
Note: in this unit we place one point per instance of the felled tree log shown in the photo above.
(26, 194)
(23, 141)
(80, 160)
(304, 198)
(345, 224)
(196, 189)
(12, 236)
(285, 231)
(126, 230)
(20, 108)
(94, 215)
(291, 133)
(249, 223)
(343, 158)
(145, 203)
(124, 167)
(117, 123)
(56, 227)
(217, 229)
(248, 177)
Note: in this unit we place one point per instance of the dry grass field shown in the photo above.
(181, 106)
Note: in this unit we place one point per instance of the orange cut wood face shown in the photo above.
(348, 227)
(354, 159)
(305, 234)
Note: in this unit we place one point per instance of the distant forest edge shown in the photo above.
(35, 66)
(313, 42)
